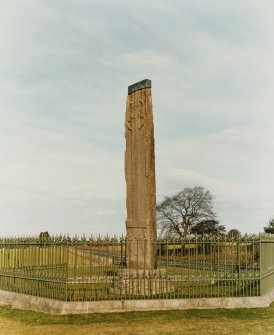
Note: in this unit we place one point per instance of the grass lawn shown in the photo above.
(218, 321)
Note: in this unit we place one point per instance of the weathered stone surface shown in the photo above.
(140, 177)
(23, 301)
(142, 286)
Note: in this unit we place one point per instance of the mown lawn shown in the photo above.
(218, 321)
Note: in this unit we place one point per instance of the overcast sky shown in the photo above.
(64, 70)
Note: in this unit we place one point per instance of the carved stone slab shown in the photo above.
(140, 176)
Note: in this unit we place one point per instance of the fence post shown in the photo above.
(260, 266)
(67, 270)
(238, 259)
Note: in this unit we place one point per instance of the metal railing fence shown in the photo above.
(88, 269)
(267, 264)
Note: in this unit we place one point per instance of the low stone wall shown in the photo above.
(27, 302)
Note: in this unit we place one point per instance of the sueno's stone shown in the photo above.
(140, 178)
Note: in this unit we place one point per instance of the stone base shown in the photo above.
(28, 302)
(136, 282)
(156, 273)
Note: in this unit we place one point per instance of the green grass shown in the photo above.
(174, 322)
(243, 314)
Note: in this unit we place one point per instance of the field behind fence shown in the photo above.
(96, 269)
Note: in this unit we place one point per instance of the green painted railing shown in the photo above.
(82, 269)
(267, 265)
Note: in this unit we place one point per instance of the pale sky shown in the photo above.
(64, 71)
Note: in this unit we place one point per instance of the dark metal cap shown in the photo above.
(146, 83)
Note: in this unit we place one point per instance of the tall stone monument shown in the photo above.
(140, 178)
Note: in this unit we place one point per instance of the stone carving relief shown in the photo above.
(135, 116)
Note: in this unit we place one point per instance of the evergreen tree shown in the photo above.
(270, 228)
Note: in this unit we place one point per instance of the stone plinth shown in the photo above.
(135, 282)
(159, 273)
(140, 177)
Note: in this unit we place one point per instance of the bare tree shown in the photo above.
(178, 213)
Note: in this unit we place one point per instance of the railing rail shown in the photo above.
(86, 269)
